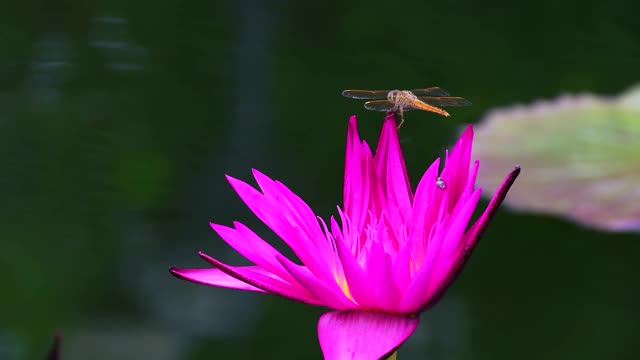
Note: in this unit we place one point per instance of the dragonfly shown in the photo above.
(399, 101)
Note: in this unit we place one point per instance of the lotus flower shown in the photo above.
(386, 257)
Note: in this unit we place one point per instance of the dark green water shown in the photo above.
(118, 121)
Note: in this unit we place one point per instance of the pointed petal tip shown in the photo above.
(176, 272)
(203, 255)
(390, 116)
(217, 227)
(215, 263)
(230, 179)
(256, 173)
(352, 126)
(468, 132)
(508, 180)
(502, 190)
(478, 228)
(179, 272)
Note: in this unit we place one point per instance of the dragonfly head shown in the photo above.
(393, 96)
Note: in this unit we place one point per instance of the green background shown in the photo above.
(119, 119)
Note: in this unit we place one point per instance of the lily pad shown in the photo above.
(580, 157)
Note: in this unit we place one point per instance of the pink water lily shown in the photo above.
(388, 255)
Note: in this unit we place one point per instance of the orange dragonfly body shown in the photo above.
(428, 99)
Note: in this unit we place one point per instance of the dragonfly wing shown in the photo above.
(432, 91)
(365, 94)
(445, 100)
(379, 105)
(384, 105)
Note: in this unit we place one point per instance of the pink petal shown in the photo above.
(423, 201)
(362, 335)
(267, 210)
(278, 219)
(458, 223)
(472, 237)
(383, 284)
(212, 277)
(440, 255)
(355, 180)
(457, 166)
(328, 293)
(362, 197)
(263, 280)
(452, 242)
(357, 279)
(402, 267)
(252, 247)
(473, 173)
(392, 172)
(416, 292)
(297, 212)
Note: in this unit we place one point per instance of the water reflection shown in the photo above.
(110, 37)
(50, 67)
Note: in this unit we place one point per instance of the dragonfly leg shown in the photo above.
(401, 118)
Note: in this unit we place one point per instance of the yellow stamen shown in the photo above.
(342, 282)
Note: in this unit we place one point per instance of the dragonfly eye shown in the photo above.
(440, 183)
(392, 96)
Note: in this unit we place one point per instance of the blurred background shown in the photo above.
(119, 120)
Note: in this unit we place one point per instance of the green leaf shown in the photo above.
(580, 158)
